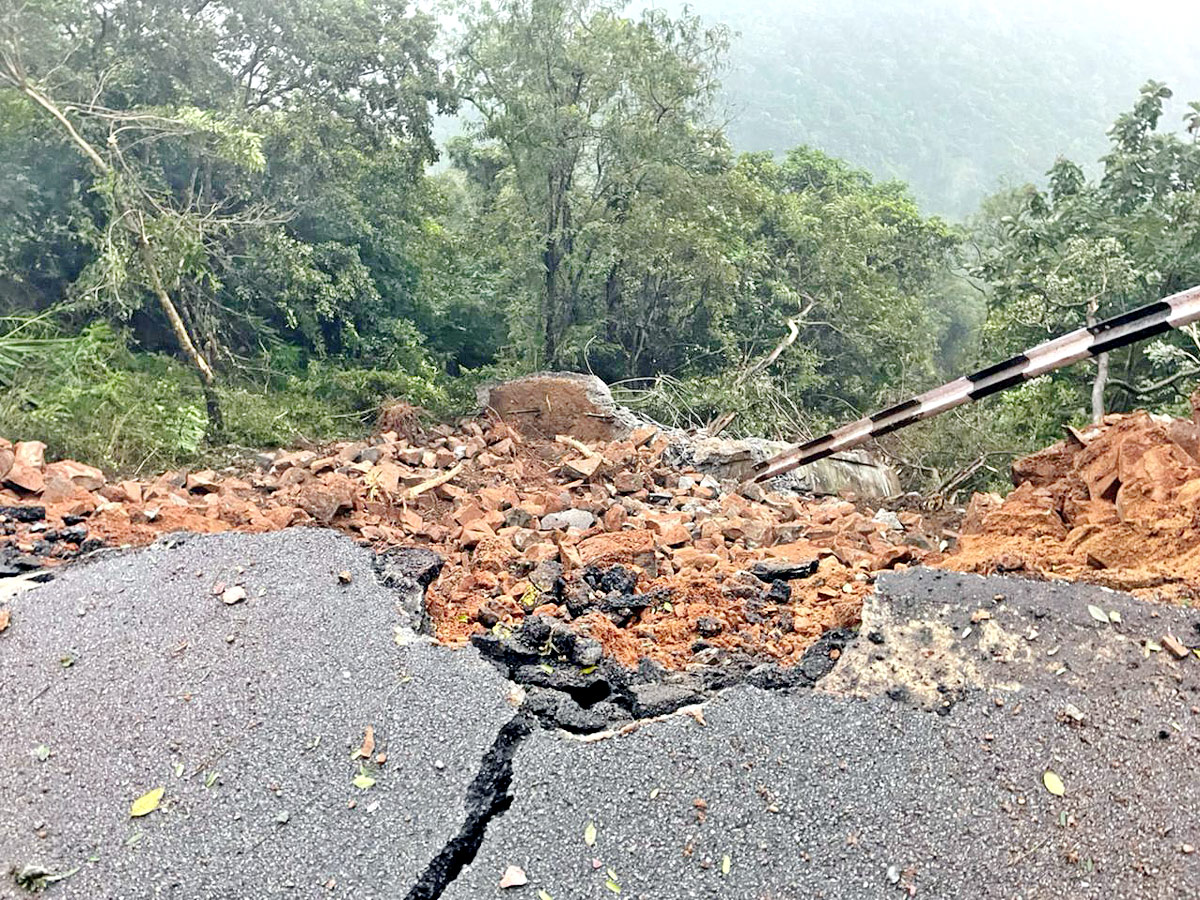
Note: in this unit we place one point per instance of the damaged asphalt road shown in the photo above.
(915, 768)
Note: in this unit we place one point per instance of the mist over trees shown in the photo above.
(954, 98)
(219, 223)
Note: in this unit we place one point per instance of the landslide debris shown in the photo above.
(1116, 504)
(645, 560)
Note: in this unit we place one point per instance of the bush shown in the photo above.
(89, 397)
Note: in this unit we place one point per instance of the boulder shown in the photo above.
(551, 403)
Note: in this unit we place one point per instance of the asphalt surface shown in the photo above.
(275, 713)
(820, 794)
(914, 769)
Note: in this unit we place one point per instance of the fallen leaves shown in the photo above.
(362, 780)
(1097, 613)
(41, 753)
(514, 876)
(1054, 784)
(147, 803)
(589, 834)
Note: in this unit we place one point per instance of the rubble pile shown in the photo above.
(1116, 504)
(646, 561)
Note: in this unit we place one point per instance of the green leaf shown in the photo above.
(1053, 783)
(612, 886)
(147, 803)
(363, 781)
(545, 668)
(210, 778)
(589, 834)
(726, 864)
(543, 895)
(178, 769)
(41, 752)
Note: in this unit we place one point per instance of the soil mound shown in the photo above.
(1116, 504)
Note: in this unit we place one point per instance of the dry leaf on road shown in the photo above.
(147, 803)
(368, 744)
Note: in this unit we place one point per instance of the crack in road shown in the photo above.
(487, 797)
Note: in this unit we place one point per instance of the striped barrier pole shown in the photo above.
(1128, 328)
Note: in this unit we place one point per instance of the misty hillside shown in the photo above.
(954, 98)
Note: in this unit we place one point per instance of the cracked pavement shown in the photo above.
(915, 768)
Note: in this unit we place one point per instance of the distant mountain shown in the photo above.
(956, 98)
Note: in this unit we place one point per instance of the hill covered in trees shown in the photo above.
(219, 224)
(954, 98)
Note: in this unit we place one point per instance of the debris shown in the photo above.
(368, 744)
(1117, 507)
(514, 876)
(232, 595)
(1175, 647)
(1053, 783)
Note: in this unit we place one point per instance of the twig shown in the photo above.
(415, 491)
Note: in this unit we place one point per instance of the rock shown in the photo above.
(709, 626)
(6, 462)
(24, 513)
(87, 477)
(659, 699)
(551, 403)
(587, 652)
(517, 518)
(584, 466)
(568, 518)
(30, 453)
(771, 570)
(725, 458)
(887, 518)
(323, 500)
(629, 482)
(204, 482)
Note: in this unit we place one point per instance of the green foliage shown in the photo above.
(89, 397)
(1088, 249)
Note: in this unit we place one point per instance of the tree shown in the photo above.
(589, 111)
(173, 111)
(1088, 249)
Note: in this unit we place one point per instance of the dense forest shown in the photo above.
(220, 224)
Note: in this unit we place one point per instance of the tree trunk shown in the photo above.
(145, 252)
(216, 421)
(550, 302)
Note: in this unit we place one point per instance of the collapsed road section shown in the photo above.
(1025, 738)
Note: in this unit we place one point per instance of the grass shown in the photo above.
(90, 398)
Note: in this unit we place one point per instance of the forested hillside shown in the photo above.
(954, 98)
(219, 224)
